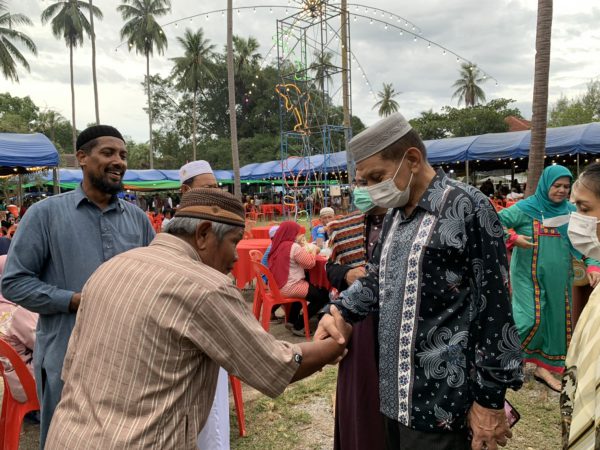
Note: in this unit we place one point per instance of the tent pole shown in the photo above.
(55, 181)
(467, 170)
(20, 191)
(577, 165)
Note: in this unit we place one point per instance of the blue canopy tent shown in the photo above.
(220, 175)
(20, 152)
(24, 153)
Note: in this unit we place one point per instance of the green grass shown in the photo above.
(301, 418)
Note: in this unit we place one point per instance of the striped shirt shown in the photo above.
(347, 241)
(300, 260)
(153, 328)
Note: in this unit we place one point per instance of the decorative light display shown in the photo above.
(295, 101)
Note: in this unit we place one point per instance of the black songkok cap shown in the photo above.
(212, 204)
(96, 131)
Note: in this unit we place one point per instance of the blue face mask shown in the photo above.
(362, 200)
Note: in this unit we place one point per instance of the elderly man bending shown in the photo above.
(173, 303)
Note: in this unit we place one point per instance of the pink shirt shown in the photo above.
(300, 260)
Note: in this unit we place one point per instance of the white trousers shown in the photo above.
(215, 434)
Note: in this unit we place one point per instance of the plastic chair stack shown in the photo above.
(269, 296)
(13, 411)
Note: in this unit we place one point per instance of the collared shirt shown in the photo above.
(184, 319)
(446, 332)
(61, 241)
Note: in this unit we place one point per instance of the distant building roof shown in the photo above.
(517, 124)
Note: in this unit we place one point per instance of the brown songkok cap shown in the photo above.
(212, 204)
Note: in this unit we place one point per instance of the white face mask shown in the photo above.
(555, 222)
(582, 233)
(387, 195)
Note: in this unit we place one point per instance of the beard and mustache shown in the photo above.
(103, 184)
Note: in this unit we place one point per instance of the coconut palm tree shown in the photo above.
(540, 95)
(142, 32)
(192, 69)
(48, 121)
(321, 66)
(245, 53)
(386, 104)
(93, 36)
(467, 86)
(235, 156)
(68, 21)
(10, 54)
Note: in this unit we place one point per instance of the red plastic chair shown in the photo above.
(236, 389)
(270, 296)
(254, 214)
(256, 255)
(13, 411)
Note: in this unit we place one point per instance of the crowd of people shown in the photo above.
(139, 325)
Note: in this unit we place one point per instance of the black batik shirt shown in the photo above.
(446, 332)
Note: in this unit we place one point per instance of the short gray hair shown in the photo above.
(186, 226)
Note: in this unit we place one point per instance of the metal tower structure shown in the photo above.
(313, 54)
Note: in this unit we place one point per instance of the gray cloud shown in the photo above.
(499, 36)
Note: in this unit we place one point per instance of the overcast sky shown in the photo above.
(497, 35)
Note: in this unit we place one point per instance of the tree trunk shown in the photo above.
(194, 126)
(94, 63)
(346, 88)
(74, 130)
(237, 185)
(151, 149)
(540, 95)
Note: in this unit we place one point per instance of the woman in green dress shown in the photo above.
(541, 273)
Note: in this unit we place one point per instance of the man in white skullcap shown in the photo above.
(197, 174)
(447, 343)
(319, 231)
(215, 434)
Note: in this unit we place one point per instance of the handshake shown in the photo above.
(335, 327)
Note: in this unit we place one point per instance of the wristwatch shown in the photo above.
(298, 358)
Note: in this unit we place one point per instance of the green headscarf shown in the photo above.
(539, 205)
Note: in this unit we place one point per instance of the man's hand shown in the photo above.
(489, 427)
(354, 274)
(328, 327)
(593, 278)
(340, 323)
(75, 300)
(524, 242)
